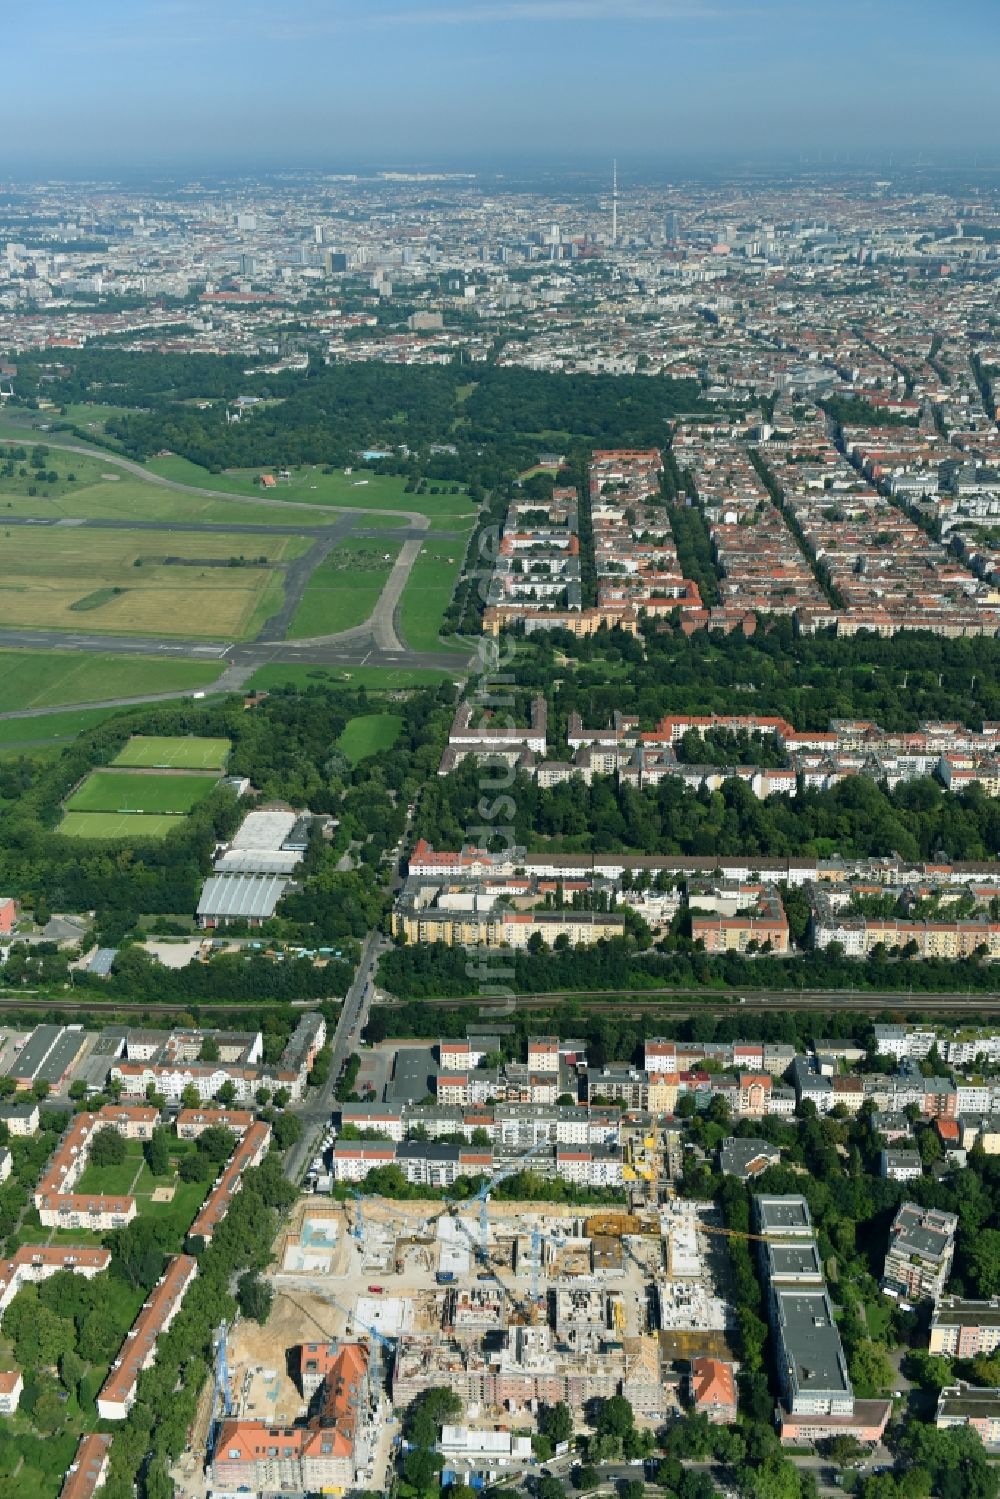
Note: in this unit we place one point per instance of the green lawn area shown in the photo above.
(180, 752)
(115, 825)
(877, 1315)
(179, 1213)
(102, 489)
(142, 582)
(369, 735)
(45, 679)
(116, 1181)
(362, 489)
(50, 730)
(131, 791)
(428, 593)
(373, 678)
(344, 589)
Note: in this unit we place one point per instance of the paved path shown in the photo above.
(415, 517)
(375, 642)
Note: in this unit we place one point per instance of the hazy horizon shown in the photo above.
(216, 86)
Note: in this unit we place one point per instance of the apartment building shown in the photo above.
(88, 1471)
(330, 1452)
(250, 1151)
(138, 1352)
(964, 1329)
(817, 1398)
(757, 923)
(970, 1405)
(58, 1204)
(920, 1252)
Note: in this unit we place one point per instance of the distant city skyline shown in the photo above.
(215, 85)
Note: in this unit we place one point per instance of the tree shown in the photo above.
(40, 1089)
(983, 1260)
(550, 1488)
(209, 1050)
(282, 1098)
(48, 1412)
(557, 1422)
(157, 1152)
(871, 1371)
(842, 1449)
(108, 1147)
(77, 1088)
(587, 1477)
(72, 1368)
(190, 1097)
(39, 1335)
(929, 1370)
(227, 1093)
(421, 1467)
(631, 1488)
(288, 1129)
(254, 1296)
(98, 1338)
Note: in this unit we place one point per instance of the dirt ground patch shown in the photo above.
(262, 1368)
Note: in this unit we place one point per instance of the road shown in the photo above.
(318, 1105)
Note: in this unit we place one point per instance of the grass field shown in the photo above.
(361, 490)
(149, 583)
(51, 728)
(428, 593)
(129, 791)
(373, 678)
(344, 589)
(47, 679)
(179, 753)
(102, 490)
(114, 825)
(116, 1181)
(369, 735)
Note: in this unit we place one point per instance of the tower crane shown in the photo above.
(379, 1343)
(482, 1196)
(537, 1240)
(358, 1231)
(221, 1394)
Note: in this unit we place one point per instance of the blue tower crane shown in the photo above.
(221, 1392)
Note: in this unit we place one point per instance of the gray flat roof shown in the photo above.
(777, 1215)
(61, 1056)
(412, 1075)
(249, 895)
(811, 1341)
(967, 1314)
(35, 1050)
(794, 1259)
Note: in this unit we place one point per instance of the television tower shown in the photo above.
(614, 202)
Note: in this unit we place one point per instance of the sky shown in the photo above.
(94, 87)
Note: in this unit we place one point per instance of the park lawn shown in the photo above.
(135, 791)
(52, 728)
(877, 1316)
(115, 1181)
(47, 679)
(369, 735)
(125, 582)
(362, 489)
(115, 825)
(428, 593)
(373, 678)
(178, 1213)
(345, 588)
(180, 752)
